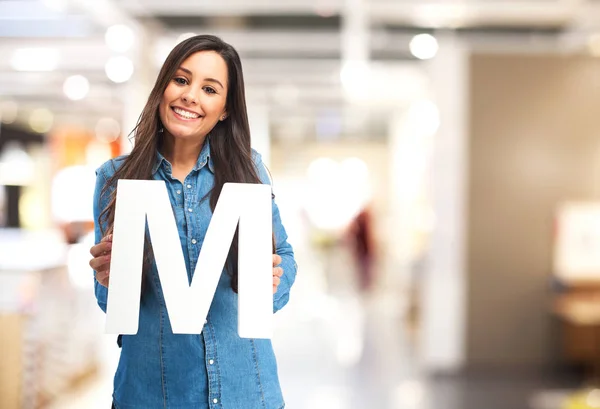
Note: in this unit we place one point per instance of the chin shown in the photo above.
(179, 133)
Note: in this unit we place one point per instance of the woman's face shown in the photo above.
(194, 101)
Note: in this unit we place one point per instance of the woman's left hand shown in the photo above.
(277, 272)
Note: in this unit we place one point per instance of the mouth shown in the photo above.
(184, 114)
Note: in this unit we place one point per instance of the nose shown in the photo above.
(190, 98)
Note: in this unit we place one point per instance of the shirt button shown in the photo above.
(189, 186)
(215, 400)
(211, 362)
(179, 192)
(190, 210)
(193, 241)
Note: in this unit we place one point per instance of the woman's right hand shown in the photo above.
(101, 261)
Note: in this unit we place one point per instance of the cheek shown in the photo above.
(167, 97)
(217, 107)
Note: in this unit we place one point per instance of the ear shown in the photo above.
(223, 116)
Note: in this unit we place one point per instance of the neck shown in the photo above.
(182, 154)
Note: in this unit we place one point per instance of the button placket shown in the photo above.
(212, 369)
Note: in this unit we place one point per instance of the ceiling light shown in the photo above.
(119, 69)
(76, 87)
(424, 46)
(119, 38)
(41, 120)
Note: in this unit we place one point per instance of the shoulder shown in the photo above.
(108, 168)
(256, 157)
(258, 163)
(261, 169)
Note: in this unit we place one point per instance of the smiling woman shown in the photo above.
(194, 100)
(193, 134)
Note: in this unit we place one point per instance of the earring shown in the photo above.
(223, 118)
(161, 129)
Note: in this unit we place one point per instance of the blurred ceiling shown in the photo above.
(293, 51)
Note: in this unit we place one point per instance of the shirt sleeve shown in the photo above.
(283, 248)
(100, 203)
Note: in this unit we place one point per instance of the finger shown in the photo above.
(104, 282)
(101, 248)
(276, 281)
(274, 289)
(276, 260)
(102, 269)
(107, 238)
(100, 263)
(102, 276)
(277, 271)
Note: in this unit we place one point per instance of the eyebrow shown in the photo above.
(206, 79)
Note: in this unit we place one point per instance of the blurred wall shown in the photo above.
(534, 142)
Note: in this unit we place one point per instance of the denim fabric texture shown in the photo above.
(215, 369)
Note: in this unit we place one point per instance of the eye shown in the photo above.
(180, 81)
(210, 90)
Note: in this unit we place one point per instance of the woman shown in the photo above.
(194, 135)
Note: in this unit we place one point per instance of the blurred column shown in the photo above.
(355, 49)
(258, 116)
(137, 89)
(443, 294)
(410, 141)
(355, 32)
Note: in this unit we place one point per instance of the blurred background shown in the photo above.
(436, 164)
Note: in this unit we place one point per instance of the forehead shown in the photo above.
(207, 64)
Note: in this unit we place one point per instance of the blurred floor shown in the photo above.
(338, 349)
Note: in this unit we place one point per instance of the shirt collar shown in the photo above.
(203, 159)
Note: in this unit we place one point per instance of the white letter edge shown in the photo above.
(188, 305)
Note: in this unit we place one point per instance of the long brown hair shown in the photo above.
(229, 140)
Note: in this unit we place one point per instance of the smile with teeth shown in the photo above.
(186, 114)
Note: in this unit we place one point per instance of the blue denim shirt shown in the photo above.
(216, 369)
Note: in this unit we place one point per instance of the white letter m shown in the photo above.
(188, 305)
